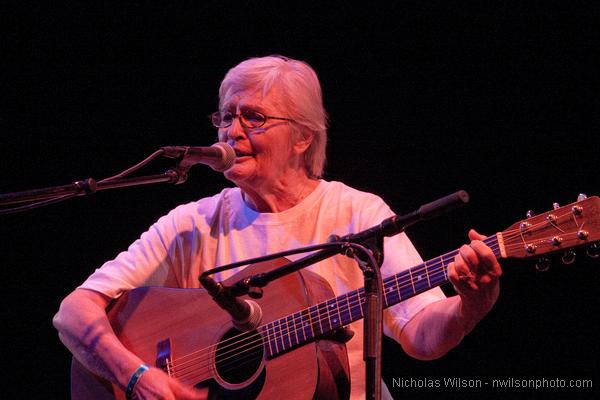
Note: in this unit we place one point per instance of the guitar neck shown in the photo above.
(307, 324)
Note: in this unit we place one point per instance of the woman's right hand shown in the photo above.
(155, 384)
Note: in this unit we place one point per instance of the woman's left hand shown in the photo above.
(474, 275)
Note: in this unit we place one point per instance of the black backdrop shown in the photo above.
(424, 100)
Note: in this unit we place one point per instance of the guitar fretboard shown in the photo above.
(295, 329)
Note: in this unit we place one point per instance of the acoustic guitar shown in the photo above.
(293, 355)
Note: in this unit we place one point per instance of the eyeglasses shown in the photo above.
(248, 119)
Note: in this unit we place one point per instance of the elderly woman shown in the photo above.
(271, 113)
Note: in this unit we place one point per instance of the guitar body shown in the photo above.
(187, 329)
(189, 324)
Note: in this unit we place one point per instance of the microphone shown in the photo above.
(219, 156)
(246, 315)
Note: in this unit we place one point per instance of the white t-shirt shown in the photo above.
(222, 229)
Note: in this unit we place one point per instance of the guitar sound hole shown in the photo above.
(239, 355)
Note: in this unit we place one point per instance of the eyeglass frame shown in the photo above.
(239, 116)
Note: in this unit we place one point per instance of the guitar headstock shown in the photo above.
(573, 225)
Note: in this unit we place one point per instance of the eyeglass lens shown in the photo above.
(249, 118)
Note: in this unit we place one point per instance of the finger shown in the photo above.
(474, 235)
(460, 275)
(185, 392)
(461, 267)
(452, 273)
(152, 385)
(488, 264)
(469, 257)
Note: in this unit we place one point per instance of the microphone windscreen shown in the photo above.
(228, 157)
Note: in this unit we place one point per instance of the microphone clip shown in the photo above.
(246, 314)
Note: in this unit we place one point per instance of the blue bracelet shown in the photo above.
(134, 379)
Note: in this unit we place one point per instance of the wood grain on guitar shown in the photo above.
(184, 332)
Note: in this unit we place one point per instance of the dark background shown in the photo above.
(424, 99)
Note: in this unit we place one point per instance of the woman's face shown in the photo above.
(262, 154)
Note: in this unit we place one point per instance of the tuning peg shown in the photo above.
(594, 250)
(542, 264)
(529, 214)
(582, 196)
(555, 205)
(568, 257)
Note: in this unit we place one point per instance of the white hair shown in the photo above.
(301, 99)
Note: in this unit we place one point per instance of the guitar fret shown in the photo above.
(268, 333)
(396, 292)
(311, 322)
(427, 274)
(271, 336)
(293, 320)
(334, 320)
(420, 284)
(361, 302)
(287, 339)
(444, 266)
(387, 295)
(412, 282)
(328, 325)
(315, 320)
(405, 290)
(439, 275)
(385, 300)
(350, 302)
(439, 278)
(339, 316)
(308, 325)
(347, 297)
(325, 320)
(299, 327)
(277, 336)
(344, 312)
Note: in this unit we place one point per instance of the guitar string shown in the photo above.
(328, 312)
(238, 359)
(223, 359)
(182, 374)
(354, 301)
(329, 315)
(319, 307)
(227, 366)
(311, 314)
(195, 377)
(428, 267)
(423, 266)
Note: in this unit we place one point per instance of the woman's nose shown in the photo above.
(235, 131)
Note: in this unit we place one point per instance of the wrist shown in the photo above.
(471, 311)
(134, 380)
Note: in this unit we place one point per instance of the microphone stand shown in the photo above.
(370, 245)
(80, 188)
(370, 264)
(84, 187)
(41, 197)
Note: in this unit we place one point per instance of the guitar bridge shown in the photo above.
(163, 356)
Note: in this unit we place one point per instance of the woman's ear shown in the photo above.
(304, 142)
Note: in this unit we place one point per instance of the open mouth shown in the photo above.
(239, 153)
